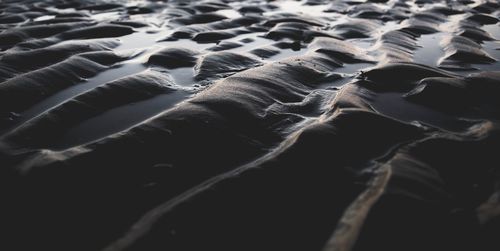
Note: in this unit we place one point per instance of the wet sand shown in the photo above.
(249, 125)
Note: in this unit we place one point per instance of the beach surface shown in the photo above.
(250, 125)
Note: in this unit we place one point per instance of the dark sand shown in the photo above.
(249, 125)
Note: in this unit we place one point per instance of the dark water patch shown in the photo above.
(23, 91)
(43, 129)
(394, 105)
(494, 30)
(430, 91)
(99, 126)
(430, 49)
(72, 91)
(400, 76)
(184, 76)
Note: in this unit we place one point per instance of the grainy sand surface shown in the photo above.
(249, 125)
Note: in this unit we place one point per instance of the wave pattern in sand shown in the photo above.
(250, 125)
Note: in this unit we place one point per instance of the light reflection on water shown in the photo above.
(75, 90)
(393, 104)
(430, 50)
(118, 119)
(149, 40)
